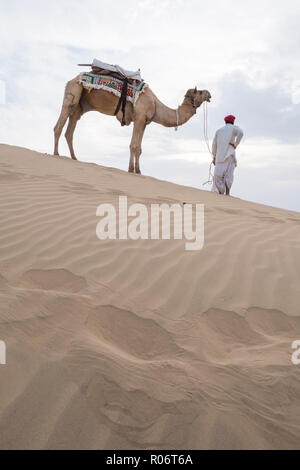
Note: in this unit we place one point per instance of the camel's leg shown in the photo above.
(59, 127)
(137, 159)
(136, 145)
(71, 99)
(131, 161)
(73, 119)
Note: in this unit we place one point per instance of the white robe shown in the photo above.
(223, 175)
(225, 156)
(225, 136)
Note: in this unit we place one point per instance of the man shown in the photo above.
(225, 142)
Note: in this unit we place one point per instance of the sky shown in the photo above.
(245, 53)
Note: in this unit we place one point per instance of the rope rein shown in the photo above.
(206, 126)
(206, 138)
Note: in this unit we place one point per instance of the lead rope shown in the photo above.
(205, 130)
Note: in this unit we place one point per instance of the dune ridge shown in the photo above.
(139, 344)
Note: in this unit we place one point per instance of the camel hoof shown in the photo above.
(138, 171)
(131, 169)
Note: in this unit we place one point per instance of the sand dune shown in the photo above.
(141, 344)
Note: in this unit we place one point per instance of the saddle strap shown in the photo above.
(122, 101)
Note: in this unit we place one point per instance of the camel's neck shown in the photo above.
(171, 117)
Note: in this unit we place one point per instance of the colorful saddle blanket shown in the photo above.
(104, 82)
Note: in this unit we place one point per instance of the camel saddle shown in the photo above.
(98, 71)
(127, 76)
(102, 68)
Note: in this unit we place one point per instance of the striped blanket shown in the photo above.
(104, 82)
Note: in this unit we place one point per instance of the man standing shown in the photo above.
(225, 142)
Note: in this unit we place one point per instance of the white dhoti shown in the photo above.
(223, 175)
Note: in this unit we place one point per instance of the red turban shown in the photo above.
(230, 118)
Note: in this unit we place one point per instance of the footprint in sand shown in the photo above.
(52, 279)
(140, 337)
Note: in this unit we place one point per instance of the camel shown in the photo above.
(148, 108)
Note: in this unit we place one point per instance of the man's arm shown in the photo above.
(214, 149)
(239, 136)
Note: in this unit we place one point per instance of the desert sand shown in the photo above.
(141, 344)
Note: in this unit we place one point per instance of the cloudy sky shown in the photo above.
(247, 54)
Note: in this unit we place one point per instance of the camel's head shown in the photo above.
(197, 97)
